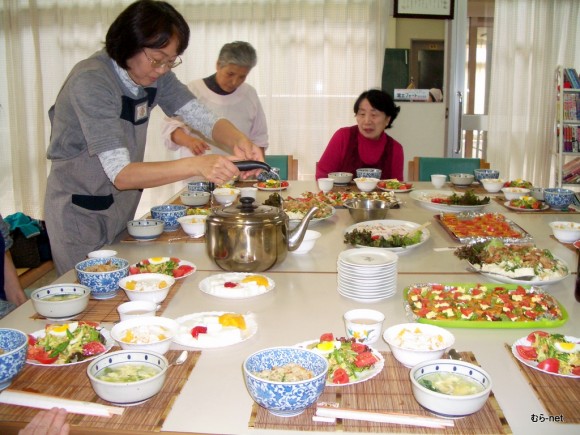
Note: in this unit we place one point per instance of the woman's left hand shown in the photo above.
(244, 149)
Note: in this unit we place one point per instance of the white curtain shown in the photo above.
(531, 38)
(314, 58)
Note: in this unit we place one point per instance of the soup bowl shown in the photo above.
(130, 388)
(145, 229)
(470, 379)
(60, 301)
(169, 213)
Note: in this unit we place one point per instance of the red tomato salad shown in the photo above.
(167, 265)
(553, 353)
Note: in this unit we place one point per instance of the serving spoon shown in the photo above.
(521, 278)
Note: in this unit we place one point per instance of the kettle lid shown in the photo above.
(248, 212)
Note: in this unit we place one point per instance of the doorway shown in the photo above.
(427, 63)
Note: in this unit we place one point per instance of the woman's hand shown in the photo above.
(216, 168)
(51, 422)
(194, 144)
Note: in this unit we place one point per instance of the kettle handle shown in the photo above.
(248, 165)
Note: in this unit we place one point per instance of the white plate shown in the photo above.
(214, 285)
(367, 258)
(508, 280)
(181, 263)
(271, 189)
(392, 223)
(533, 364)
(109, 343)
(544, 207)
(224, 337)
(384, 189)
(314, 221)
(366, 375)
(423, 197)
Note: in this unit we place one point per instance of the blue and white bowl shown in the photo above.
(285, 399)
(369, 173)
(558, 198)
(128, 393)
(145, 229)
(169, 214)
(200, 186)
(485, 173)
(14, 343)
(103, 285)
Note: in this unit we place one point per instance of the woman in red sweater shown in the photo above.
(366, 145)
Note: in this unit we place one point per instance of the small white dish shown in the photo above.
(325, 184)
(438, 180)
(102, 253)
(364, 325)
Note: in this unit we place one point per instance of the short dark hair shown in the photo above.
(145, 23)
(380, 100)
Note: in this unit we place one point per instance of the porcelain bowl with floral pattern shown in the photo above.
(285, 399)
(14, 344)
(169, 213)
(558, 198)
(485, 173)
(103, 275)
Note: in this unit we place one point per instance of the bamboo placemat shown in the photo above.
(572, 209)
(105, 310)
(389, 391)
(570, 246)
(558, 395)
(72, 382)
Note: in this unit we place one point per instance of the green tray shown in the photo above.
(544, 323)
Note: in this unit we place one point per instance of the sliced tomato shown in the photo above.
(31, 340)
(576, 371)
(532, 337)
(551, 365)
(359, 347)
(196, 330)
(527, 352)
(328, 336)
(134, 270)
(37, 353)
(340, 376)
(182, 270)
(94, 348)
(365, 359)
(284, 184)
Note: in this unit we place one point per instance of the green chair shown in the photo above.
(421, 168)
(286, 163)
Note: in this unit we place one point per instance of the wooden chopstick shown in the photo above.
(327, 410)
(44, 401)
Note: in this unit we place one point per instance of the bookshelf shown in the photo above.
(568, 127)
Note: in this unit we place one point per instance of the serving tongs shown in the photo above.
(250, 165)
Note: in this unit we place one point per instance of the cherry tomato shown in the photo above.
(196, 330)
(527, 352)
(533, 335)
(230, 284)
(576, 371)
(94, 348)
(134, 270)
(551, 365)
(340, 376)
(284, 184)
(329, 336)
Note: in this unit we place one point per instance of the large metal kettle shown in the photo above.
(252, 238)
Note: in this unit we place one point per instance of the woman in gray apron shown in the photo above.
(99, 127)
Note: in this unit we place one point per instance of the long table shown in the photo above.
(305, 304)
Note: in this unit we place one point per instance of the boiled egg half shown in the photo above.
(566, 347)
(60, 330)
(158, 260)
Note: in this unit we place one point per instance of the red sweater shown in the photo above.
(348, 150)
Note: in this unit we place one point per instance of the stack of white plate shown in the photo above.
(367, 274)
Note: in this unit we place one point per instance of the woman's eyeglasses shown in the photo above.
(161, 64)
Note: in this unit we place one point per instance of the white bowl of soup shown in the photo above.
(60, 301)
(450, 388)
(128, 377)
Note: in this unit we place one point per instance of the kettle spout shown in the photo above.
(297, 234)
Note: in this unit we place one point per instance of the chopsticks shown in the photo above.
(330, 410)
(43, 401)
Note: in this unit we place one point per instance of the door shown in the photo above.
(470, 36)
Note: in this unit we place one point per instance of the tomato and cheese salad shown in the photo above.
(347, 359)
(67, 343)
(513, 260)
(481, 225)
(481, 302)
(553, 353)
(526, 202)
(166, 265)
(394, 184)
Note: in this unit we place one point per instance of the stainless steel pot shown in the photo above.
(251, 238)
